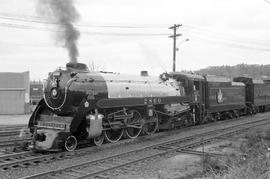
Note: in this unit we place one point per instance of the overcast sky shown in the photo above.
(221, 32)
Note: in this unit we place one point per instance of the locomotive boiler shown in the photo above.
(81, 105)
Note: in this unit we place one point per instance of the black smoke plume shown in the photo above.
(64, 14)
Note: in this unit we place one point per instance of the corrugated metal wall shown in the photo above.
(14, 93)
(12, 101)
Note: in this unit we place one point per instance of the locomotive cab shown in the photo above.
(195, 88)
(193, 84)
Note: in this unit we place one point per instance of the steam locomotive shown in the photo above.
(79, 105)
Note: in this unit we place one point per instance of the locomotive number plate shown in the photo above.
(51, 125)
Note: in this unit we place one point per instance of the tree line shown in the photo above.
(249, 70)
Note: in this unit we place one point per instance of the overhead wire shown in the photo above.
(25, 45)
(17, 26)
(228, 43)
(195, 31)
(35, 19)
(230, 40)
(225, 36)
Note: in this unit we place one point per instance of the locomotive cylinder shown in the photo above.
(94, 125)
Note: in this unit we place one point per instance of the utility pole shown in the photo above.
(174, 36)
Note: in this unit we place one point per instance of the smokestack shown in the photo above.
(64, 13)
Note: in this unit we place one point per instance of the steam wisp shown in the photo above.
(64, 14)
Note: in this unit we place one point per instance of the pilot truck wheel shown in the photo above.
(71, 143)
(98, 141)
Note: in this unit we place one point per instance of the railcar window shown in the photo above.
(182, 90)
(196, 85)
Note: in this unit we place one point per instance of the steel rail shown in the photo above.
(103, 165)
(9, 133)
(11, 130)
(13, 142)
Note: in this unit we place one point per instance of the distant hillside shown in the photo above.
(254, 71)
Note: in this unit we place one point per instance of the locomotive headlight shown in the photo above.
(54, 93)
(86, 104)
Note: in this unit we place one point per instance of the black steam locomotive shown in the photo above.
(81, 105)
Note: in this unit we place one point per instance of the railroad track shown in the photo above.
(22, 159)
(124, 162)
(13, 142)
(25, 159)
(12, 130)
(9, 133)
(10, 136)
(12, 126)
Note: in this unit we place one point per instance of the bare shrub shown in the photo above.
(266, 135)
(253, 160)
(213, 164)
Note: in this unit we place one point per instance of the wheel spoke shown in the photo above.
(114, 135)
(134, 125)
(71, 143)
(151, 125)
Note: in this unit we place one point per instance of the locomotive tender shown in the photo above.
(81, 105)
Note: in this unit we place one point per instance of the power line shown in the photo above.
(231, 44)
(224, 36)
(127, 34)
(27, 27)
(24, 45)
(34, 19)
